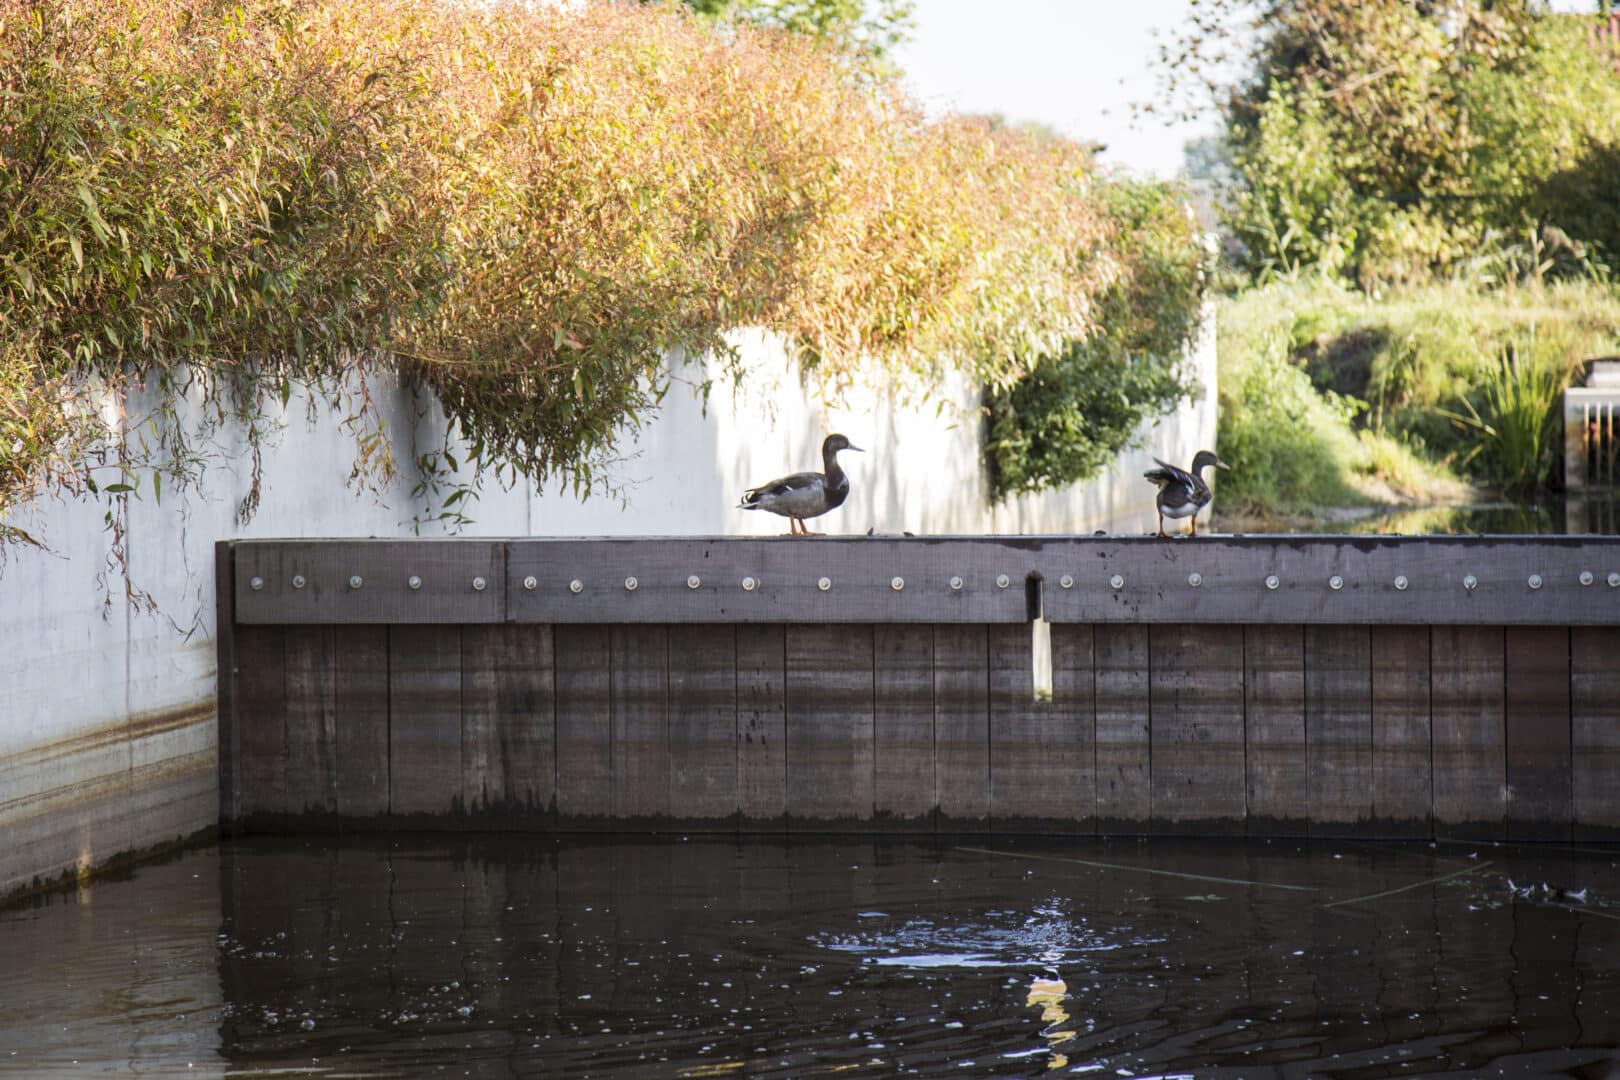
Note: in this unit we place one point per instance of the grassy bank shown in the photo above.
(1330, 398)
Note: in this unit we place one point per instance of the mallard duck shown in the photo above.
(805, 494)
(1182, 493)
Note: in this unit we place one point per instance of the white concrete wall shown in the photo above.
(107, 721)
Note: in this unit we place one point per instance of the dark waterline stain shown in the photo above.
(516, 955)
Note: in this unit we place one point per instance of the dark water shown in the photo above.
(515, 956)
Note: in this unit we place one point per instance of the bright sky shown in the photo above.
(1073, 64)
(1076, 65)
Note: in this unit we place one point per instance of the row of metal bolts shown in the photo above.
(749, 584)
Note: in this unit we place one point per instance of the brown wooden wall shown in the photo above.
(1267, 729)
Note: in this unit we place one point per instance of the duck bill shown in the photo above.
(855, 448)
(1219, 464)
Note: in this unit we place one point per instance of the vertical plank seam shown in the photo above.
(1096, 770)
(933, 726)
(989, 734)
(1147, 660)
(1248, 680)
(388, 720)
(1306, 640)
(461, 713)
(1434, 814)
(736, 732)
(1569, 730)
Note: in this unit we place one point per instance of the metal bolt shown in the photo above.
(298, 581)
(1195, 579)
(749, 584)
(1614, 580)
(1335, 582)
(1401, 583)
(531, 583)
(956, 584)
(1067, 581)
(1535, 581)
(479, 584)
(576, 585)
(256, 583)
(1470, 582)
(1117, 581)
(693, 581)
(1272, 581)
(355, 581)
(630, 584)
(826, 583)
(1586, 577)
(414, 582)
(1002, 581)
(897, 583)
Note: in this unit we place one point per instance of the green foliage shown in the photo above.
(524, 209)
(1389, 142)
(1412, 388)
(1290, 446)
(1073, 411)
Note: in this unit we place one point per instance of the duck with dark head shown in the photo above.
(1182, 492)
(805, 494)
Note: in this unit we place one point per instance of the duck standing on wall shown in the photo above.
(805, 494)
(1183, 493)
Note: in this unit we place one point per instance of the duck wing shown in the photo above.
(1167, 474)
(799, 495)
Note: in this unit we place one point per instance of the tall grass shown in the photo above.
(1513, 425)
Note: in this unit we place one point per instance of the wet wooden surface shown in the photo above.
(1183, 728)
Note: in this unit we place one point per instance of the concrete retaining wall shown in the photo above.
(108, 726)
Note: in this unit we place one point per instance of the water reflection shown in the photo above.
(1597, 514)
(521, 956)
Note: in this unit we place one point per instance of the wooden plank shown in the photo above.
(424, 709)
(777, 580)
(313, 581)
(830, 727)
(761, 725)
(1154, 580)
(1330, 580)
(703, 724)
(261, 709)
(639, 706)
(225, 664)
(1537, 733)
(1195, 688)
(584, 726)
(1124, 751)
(360, 704)
(1595, 732)
(1469, 753)
(508, 727)
(1042, 753)
(1402, 771)
(962, 726)
(1338, 729)
(1274, 704)
(905, 797)
(311, 721)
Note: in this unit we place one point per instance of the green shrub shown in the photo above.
(1401, 368)
(1072, 412)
